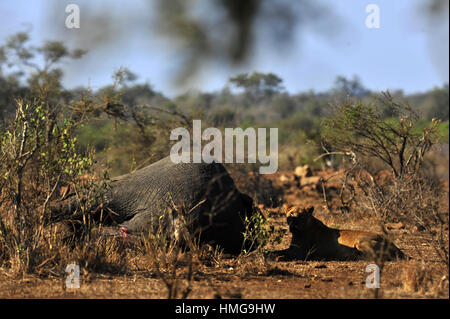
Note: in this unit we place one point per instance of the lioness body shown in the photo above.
(313, 240)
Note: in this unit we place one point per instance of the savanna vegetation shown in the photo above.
(56, 141)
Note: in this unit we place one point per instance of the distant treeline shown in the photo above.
(128, 123)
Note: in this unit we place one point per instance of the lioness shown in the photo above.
(313, 240)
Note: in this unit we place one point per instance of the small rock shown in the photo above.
(63, 191)
(313, 180)
(308, 286)
(418, 228)
(398, 225)
(303, 171)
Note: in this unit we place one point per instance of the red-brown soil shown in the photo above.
(426, 276)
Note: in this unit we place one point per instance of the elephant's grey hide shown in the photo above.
(164, 196)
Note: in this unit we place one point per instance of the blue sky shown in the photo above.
(406, 52)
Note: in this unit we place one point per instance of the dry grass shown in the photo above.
(114, 269)
(419, 280)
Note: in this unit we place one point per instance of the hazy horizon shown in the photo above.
(407, 52)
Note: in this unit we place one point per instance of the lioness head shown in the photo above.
(299, 218)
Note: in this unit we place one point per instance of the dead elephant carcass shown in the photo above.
(165, 195)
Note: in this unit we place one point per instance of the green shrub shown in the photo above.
(38, 155)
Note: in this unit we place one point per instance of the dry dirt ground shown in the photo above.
(255, 277)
